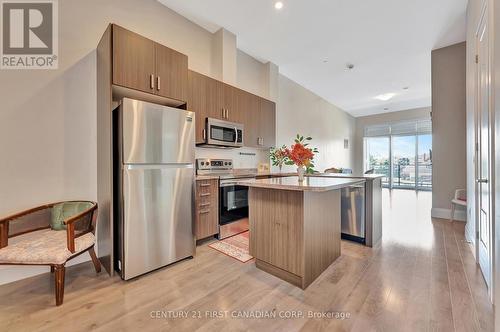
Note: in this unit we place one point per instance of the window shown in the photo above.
(377, 157)
(402, 152)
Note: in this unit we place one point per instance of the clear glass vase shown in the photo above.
(301, 171)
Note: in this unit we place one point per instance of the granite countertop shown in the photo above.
(309, 184)
(327, 175)
(349, 176)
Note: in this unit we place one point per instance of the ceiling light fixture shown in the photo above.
(278, 5)
(385, 96)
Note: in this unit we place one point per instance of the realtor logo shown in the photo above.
(29, 34)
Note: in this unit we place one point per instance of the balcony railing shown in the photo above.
(404, 176)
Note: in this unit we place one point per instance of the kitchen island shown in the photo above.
(295, 226)
(373, 203)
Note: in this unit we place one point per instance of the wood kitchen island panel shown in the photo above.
(294, 235)
(277, 224)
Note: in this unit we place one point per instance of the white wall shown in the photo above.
(299, 111)
(48, 118)
(473, 16)
(250, 75)
(448, 126)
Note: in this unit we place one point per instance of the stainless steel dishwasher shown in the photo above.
(353, 213)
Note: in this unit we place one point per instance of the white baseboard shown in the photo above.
(11, 273)
(446, 213)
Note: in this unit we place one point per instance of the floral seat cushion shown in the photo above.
(43, 247)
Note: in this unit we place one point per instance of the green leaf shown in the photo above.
(309, 138)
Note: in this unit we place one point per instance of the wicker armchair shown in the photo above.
(35, 243)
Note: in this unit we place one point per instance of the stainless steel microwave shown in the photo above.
(220, 133)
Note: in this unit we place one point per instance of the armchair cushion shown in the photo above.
(66, 210)
(43, 247)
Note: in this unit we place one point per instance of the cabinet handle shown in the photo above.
(227, 114)
(158, 82)
(204, 211)
(223, 113)
(204, 204)
(205, 185)
(152, 81)
(205, 194)
(204, 134)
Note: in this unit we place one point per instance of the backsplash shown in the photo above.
(242, 157)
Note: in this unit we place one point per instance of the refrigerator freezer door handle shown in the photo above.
(158, 166)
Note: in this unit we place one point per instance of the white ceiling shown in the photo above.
(388, 41)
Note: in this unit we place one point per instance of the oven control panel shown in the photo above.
(214, 164)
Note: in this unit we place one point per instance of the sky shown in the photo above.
(403, 146)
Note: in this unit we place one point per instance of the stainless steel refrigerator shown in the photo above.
(154, 159)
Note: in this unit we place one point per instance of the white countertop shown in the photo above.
(309, 184)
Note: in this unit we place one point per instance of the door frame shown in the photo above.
(485, 15)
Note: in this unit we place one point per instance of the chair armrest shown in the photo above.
(70, 226)
(5, 223)
(4, 234)
(461, 194)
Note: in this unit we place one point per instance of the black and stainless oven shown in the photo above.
(233, 208)
(219, 133)
(233, 199)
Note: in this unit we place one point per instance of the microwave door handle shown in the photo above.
(236, 136)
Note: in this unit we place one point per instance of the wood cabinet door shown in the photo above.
(248, 112)
(171, 73)
(207, 208)
(276, 228)
(197, 100)
(133, 60)
(205, 99)
(267, 123)
(229, 110)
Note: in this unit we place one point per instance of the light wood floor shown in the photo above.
(421, 278)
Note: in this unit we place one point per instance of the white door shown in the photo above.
(484, 147)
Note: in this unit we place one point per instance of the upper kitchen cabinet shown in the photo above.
(141, 64)
(210, 98)
(230, 111)
(171, 73)
(133, 60)
(267, 121)
(248, 111)
(205, 99)
(259, 118)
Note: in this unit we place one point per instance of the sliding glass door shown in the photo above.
(377, 152)
(424, 162)
(403, 162)
(402, 152)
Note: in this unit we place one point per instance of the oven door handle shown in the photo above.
(227, 184)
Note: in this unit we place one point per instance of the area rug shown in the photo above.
(235, 246)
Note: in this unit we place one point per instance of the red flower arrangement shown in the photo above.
(301, 155)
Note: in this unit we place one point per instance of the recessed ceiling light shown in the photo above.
(385, 96)
(278, 5)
